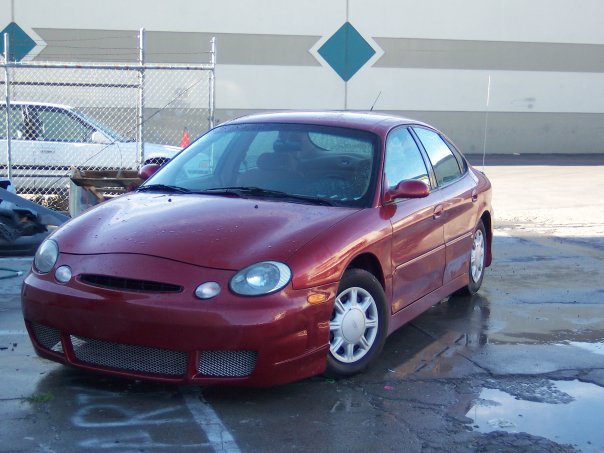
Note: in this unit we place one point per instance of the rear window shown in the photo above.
(445, 164)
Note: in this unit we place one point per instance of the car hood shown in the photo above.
(205, 230)
(151, 149)
(162, 150)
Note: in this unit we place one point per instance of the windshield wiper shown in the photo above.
(221, 191)
(259, 192)
(162, 188)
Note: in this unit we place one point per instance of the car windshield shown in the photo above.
(113, 135)
(292, 162)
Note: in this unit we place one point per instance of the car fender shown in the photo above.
(327, 256)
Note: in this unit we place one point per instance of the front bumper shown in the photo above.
(173, 336)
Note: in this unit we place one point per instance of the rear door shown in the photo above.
(458, 196)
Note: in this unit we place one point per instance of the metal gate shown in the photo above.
(57, 116)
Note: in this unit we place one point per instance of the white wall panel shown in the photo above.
(418, 89)
(463, 90)
(308, 17)
(273, 87)
(566, 21)
(499, 20)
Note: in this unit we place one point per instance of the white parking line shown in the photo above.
(6, 333)
(220, 438)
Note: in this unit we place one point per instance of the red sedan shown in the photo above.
(275, 247)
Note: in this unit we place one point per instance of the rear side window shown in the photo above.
(446, 166)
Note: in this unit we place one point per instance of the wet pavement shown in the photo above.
(519, 367)
(560, 410)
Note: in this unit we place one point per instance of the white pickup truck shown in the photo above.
(47, 140)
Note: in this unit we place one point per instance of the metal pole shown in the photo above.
(212, 87)
(9, 160)
(141, 98)
(486, 122)
(116, 66)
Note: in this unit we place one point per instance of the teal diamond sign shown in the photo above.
(346, 51)
(20, 44)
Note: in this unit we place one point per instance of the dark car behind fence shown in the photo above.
(96, 116)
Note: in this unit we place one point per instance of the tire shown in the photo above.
(358, 324)
(477, 259)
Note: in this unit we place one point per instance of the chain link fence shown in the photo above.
(61, 116)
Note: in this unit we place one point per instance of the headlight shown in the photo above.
(46, 256)
(261, 278)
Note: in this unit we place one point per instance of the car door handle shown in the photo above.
(438, 211)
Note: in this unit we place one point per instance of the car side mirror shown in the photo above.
(147, 171)
(100, 138)
(410, 188)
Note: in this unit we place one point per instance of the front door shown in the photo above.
(418, 250)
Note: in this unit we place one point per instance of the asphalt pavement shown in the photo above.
(517, 368)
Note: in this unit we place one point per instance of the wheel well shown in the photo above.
(369, 263)
(488, 226)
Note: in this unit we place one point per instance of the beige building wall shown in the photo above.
(506, 76)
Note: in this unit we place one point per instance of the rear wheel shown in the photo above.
(358, 324)
(477, 260)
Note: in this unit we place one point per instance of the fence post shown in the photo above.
(212, 87)
(9, 160)
(141, 98)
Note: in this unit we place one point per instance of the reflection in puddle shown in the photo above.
(578, 422)
(596, 348)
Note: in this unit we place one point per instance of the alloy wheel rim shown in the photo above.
(353, 326)
(477, 257)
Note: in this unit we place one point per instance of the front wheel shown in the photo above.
(358, 324)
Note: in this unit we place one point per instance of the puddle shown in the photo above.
(596, 348)
(575, 420)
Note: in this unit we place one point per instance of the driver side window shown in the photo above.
(403, 159)
(58, 126)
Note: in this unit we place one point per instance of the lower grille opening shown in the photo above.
(48, 337)
(129, 284)
(127, 357)
(227, 363)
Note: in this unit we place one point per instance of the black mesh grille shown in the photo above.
(48, 337)
(227, 363)
(128, 284)
(143, 359)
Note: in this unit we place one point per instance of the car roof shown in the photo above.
(371, 121)
(40, 104)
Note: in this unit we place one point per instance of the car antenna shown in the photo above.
(486, 122)
(375, 102)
